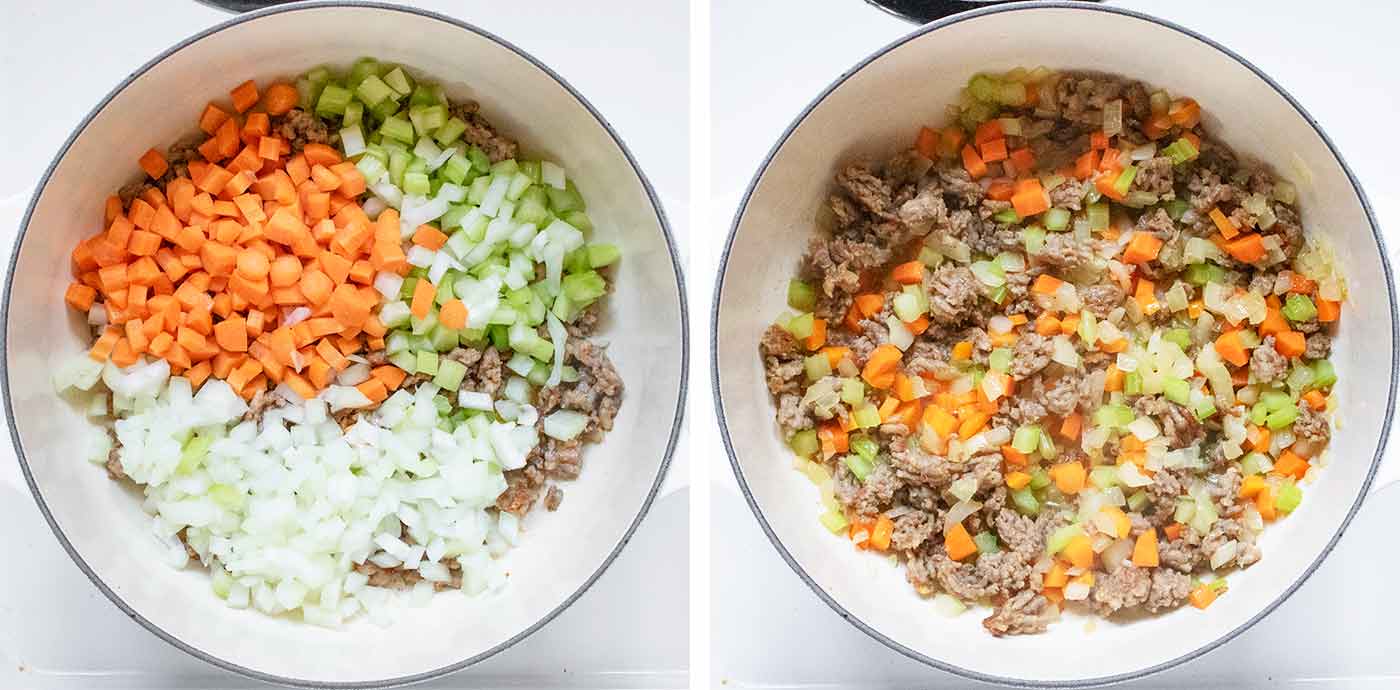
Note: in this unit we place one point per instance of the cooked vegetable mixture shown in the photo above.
(343, 337)
(1067, 351)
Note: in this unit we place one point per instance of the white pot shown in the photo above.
(876, 109)
(100, 521)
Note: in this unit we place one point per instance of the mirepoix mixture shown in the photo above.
(344, 342)
(1065, 351)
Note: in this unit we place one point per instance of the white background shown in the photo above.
(58, 59)
(769, 59)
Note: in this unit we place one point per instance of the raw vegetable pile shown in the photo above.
(343, 342)
(1067, 351)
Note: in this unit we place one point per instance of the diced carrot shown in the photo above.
(320, 154)
(1247, 248)
(1273, 323)
(993, 151)
(1143, 248)
(973, 163)
(1046, 284)
(1071, 426)
(1290, 464)
(1145, 549)
(1226, 227)
(79, 296)
(218, 259)
(1080, 552)
(1016, 480)
(123, 355)
(1001, 190)
(113, 278)
(908, 273)
(252, 264)
(1290, 343)
(1231, 348)
(1203, 596)
(284, 271)
(373, 389)
(211, 118)
(1069, 477)
(423, 294)
(972, 423)
(880, 367)
(316, 286)
(927, 142)
(940, 420)
(362, 272)
(349, 307)
(454, 315)
(327, 350)
(335, 266)
(958, 543)
(325, 180)
(153, 163)
(244, 95)
(232, 334)
(1328, 310)
(1030, 199)
(280, 98)
(818, 337)
(430, 237)
(1316, 399)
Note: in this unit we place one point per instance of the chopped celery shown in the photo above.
(398, 81)
(986, 542)
(906, 307)
(1034, 238)
(801, 296)
(1056, 219)
(1007, 215)
(1104, 476)
(600, 255)
(427, 119)
(449, 374)
(193, 453)
(333, 100)
(405, 360)
(395, 127)
(450, 131)
(834, 521)
(1025, 501)
(1138, 500)
(930, 258)
(1204, 273)
(1026, 439)
(1039, 479)
(1180, 336)
(1000, 359)
(1301, 378)
(1125, 180)
(805, 443)
(372, 91)
(1289, 496)
(1275, 400)
(800, 326)
(1258, 414)
(1176, 390)
(1061, 537)
(583, 288)
(394, 314)
(1098, 216)
(852, 392)
(1256, 463)
(859, 466)
(1279, 419)
(1299, 308)
(1132, 383)
(1113, 415)
(564, 200)
(864, 446)
(426, 362)
(817, 366)
(1324, 374)
(1180, 151)
(866, 416)
(416, 183)
(1176, 208)
(354, 112)
(579, 220)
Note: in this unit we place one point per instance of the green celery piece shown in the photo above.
(1007, 215)
(372, 91)
(1039, 479)
(1125, 179)
(333, 100)
(1132, 383)
(450, 374)
(193, 453)
(518, 184)
(564, 200)
(986, 542)
(354, 113)
(1026, 439)
(427, 362)
(442, 339)
(1176, 390)
(600, 255)
(531, 169)
(1299, 308)
(506, 168)
(456, 169)
(396, 342)
(415, 183)
(834, 521)
(477, 193)
(397, 128)
(427, 118)
(422, 96)
(405, 360)
(407, 287)
(362, 68)
(801, 296)
(398, 165)
(479, 159)
(864, 446)
(859, 466)
(1056, 219)
(805, 443)
(576, 261)
(1034, 238)
(1025, 501)
(500, 337)
(1098, 216)
(1180, 336)
(384, 110)
(1000, 359)
(1279, 419)
(1204, 273)
(1176, 208)
(1324, 374)
(583, 288)
(1289, 496)
(399, 81)
(450, 131)
(579, 220)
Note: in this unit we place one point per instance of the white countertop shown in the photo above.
(769, 60)
(58, 631)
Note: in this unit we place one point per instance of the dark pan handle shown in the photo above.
(237, 6)
(925, 11)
